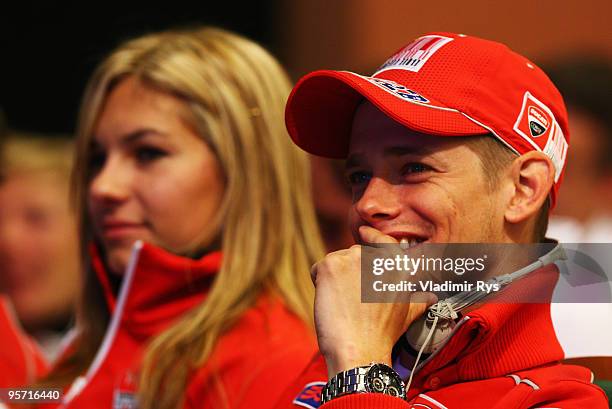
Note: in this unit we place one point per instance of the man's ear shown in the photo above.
(533, 176)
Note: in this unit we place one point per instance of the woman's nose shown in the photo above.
(111, 183)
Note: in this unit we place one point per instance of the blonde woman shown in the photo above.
(199, 228)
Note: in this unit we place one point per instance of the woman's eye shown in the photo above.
(149, 154)
(96, 161)
(358, 178)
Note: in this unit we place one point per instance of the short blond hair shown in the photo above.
(24, 153)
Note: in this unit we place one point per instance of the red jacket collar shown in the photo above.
(498, 338)
(157, 286)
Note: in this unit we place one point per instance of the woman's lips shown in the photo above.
(117, 230)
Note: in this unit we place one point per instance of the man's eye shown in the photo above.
(357, 178)
(149, 154)
(415, 168)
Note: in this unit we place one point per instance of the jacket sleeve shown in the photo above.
(367, 401)
(21, 361)
(276, 379)
(305, 392)
(569, 394)
(269, 383)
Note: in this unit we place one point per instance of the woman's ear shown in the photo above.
(533, 176)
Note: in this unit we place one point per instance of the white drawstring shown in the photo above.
(418, 358)
(448, 309)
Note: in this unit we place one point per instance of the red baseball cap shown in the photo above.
(440, 84)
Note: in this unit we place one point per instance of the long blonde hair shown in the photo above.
(235, 93)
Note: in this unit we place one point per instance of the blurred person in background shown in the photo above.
(584, 212)
(332, 198)
(197, 227)
(21, 360)
(38, 236)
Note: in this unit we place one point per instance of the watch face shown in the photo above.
(383, 379)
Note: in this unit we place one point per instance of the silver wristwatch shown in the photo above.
(373, 378)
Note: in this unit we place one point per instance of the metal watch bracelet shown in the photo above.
(356, 380)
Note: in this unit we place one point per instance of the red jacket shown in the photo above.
(21, 361)
(500, 356)
(157, 289)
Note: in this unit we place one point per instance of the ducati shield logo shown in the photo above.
(538, 124)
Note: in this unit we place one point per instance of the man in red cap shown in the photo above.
(455, 139)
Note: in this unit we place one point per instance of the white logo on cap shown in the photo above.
(398, 90)
(414, 56)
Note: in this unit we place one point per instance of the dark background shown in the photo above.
(49, 49)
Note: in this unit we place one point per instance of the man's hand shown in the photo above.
(352, 333)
